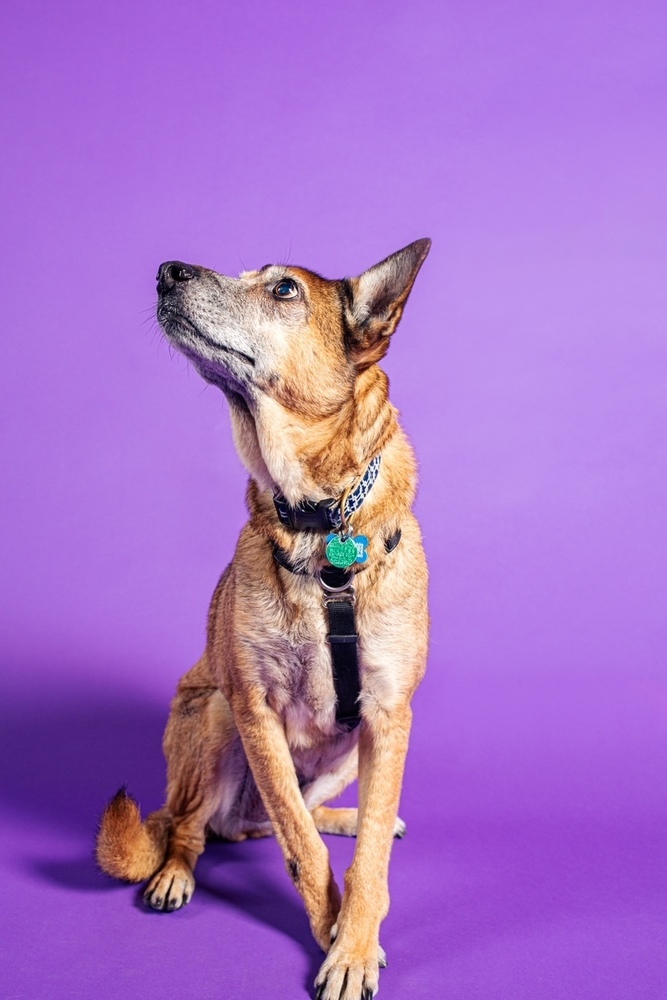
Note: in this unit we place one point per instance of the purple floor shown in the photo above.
(533, 865)
(528, 141)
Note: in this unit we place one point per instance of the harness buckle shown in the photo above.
(309, 515)
(345, 597)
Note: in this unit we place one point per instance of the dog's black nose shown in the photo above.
(174, 272)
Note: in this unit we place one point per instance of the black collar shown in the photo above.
(329, 576)
(325, 515)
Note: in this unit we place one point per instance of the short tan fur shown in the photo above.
(252, 743)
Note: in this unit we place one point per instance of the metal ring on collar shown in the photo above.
(331, 589)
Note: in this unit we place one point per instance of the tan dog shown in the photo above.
(256, 742)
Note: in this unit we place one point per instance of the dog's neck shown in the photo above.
(315, 457)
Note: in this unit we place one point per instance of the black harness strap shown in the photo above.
(391, 542)
(326, 516)
(342, 636)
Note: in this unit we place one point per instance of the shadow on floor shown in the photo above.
(63, 755)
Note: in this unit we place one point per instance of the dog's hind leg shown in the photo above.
(343, 822)
(340, 821)
(198, 737)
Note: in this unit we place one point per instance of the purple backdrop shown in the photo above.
(528, 140)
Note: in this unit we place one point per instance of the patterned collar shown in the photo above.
(325, 515)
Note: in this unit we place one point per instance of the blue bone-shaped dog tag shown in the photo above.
(342, 552)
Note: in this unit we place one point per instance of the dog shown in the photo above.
(317, 636)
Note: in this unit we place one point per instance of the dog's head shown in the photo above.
(295, 355)
(284, 332)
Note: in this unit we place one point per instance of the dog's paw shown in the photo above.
(170, 889)
(399, 828)
(382, 954)
(347, 976)
(344, 822)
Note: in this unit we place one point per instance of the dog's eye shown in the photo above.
(286, 289)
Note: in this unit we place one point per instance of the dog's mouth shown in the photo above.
(173, 323)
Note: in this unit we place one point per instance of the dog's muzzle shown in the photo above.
(173, 273)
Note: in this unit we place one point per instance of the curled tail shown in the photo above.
(126, 847)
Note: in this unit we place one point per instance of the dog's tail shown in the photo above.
(128, 848)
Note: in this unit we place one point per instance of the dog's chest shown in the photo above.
(295, 670)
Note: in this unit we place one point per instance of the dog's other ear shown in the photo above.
(375, 301)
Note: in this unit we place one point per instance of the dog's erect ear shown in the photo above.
(375, 301)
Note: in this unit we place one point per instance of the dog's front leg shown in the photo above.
(351, 969)
(306, 855)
